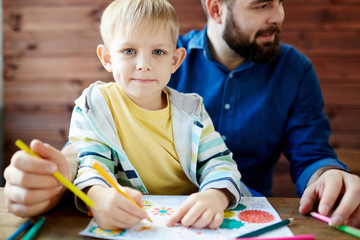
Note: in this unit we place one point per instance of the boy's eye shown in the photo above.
(129, 51)
(158, 52)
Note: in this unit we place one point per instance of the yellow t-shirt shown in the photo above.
(147, 139)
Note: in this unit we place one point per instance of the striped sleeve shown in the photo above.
(215, 165)
(91, 148)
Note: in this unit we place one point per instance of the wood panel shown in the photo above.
(339, 94)
(49, 57)
(33, 68)
(344, 120)
(338, 69)
(320, 17)
(51, 18)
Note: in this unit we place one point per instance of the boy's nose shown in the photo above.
(144, 63)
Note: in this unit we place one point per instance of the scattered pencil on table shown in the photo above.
(34, 229)
(347, 229)
(21, 229)
(114, 184)
(267, 228)
(296, 237)
(59, 176)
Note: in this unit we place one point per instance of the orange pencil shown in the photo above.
(114, 184)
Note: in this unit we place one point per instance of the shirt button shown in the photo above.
(223, 137)
(231, 75)
(227, 106)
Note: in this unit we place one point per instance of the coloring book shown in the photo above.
(251, 214)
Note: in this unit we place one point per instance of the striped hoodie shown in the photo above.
(203, 155)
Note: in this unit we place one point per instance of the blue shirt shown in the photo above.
(261, 111)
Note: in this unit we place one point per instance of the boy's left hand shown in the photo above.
(202, 210)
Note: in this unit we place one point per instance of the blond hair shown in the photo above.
(124, 16)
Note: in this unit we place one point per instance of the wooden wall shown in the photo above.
(49, 57)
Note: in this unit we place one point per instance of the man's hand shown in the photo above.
(30, 187)
(331, 187)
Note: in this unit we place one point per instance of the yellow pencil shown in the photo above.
(114, 184)
(59, 176)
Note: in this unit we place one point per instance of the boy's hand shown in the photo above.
(202, 210)
(115, 210)
(30, 187)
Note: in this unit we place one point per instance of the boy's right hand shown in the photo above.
(30, 187)
(114, 209)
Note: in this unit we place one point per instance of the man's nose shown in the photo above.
(277, 14)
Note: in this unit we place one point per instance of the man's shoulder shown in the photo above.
(289, 51)
(290, 56)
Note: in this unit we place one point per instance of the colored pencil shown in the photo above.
(21, 229)
(59, 176)
(266, 229)
(114, 184)
(296, 237)
(34, 229)
(347, 229)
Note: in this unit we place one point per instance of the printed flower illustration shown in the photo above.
(162, 211)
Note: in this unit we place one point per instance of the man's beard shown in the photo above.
(238, 41)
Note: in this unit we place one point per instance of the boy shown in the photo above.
(152, 139)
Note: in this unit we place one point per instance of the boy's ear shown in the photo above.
(178, 58)
(104, 57)
(214, 9)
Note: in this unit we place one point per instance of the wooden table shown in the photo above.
(64, 222)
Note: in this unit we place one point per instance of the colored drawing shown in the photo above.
(231, 224)
(163, 211)
(239, 207)
(144, 228)
(256, 216)
(107, 233)
(229, 214)
(146, 204)
(250, 215)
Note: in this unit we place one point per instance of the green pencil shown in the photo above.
(350, 230)
(35, 228)
(267, 228)
(347, 229)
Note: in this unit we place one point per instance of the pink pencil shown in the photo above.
(296, 237)
(347, 229)
(320, 217)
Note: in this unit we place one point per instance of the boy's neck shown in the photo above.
(152, 103)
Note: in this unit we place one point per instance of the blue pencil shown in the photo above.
(22, 228)
(34, 229)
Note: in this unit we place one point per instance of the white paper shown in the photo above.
(251, 214)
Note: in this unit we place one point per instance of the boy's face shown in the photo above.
(142, 63)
